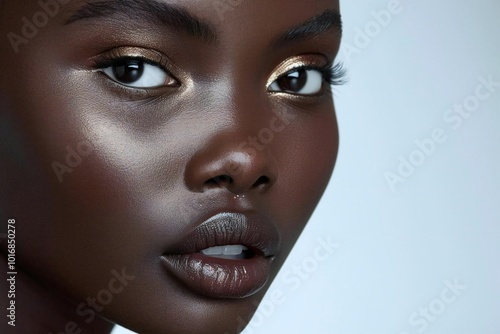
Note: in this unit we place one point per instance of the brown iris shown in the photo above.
(294, 81)
(128, 71)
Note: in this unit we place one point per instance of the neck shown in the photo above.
(40, 309)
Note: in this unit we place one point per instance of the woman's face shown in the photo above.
(141, 134)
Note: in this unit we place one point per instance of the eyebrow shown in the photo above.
(172, 16)
(313, 27)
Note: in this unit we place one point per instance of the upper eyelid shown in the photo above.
(149, 56)
(112, 61)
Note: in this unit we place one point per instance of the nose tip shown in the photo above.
(237, 170)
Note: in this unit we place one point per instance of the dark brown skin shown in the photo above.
(161, 158)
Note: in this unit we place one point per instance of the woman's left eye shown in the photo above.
(299, 82)
(137, 73)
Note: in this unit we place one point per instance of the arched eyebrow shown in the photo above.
(157, 12)
(313, 27)
(181, 20)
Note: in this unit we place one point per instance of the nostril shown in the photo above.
(261, 181)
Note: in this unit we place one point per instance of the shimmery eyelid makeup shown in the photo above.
(297, 62)
(152, 57)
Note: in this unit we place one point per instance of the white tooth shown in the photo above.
(224, 250)
(233, 249)
(218, 250)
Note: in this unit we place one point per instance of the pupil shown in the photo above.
(129, 71)
(293, 82)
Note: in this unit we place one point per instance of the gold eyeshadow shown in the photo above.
(296, 62)
(135, 52)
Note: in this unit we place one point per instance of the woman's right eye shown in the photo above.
(137, 73)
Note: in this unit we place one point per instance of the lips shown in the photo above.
(227, 256)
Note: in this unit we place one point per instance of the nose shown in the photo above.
(232, 164)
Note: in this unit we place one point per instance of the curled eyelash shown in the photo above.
(337, 75)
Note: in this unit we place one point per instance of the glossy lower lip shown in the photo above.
(220, 278)
(225, 278)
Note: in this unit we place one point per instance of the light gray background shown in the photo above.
(397, 248)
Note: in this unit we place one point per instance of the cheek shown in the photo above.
(309, 150)
(67, 188)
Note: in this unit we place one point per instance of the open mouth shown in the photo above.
(227, 256)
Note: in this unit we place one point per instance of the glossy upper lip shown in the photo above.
(252, 230)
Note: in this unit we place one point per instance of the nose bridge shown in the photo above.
(250, 112)
(227, 157)
(240, 89)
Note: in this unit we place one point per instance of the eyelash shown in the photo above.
(335, 75)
